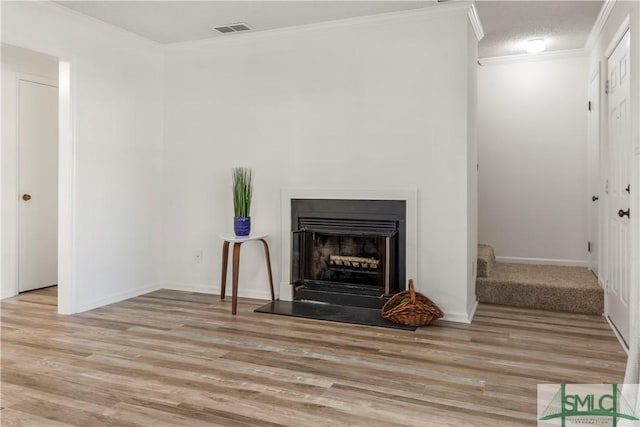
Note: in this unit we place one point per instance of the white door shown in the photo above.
(618, 187)
(593, 141)
(38, 185)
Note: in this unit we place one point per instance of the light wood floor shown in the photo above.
(179, 359)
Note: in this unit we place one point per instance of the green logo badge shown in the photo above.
(583, 405)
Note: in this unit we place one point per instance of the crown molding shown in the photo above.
(105, 25)
(605, 11)
(472, 13)
(452, 8)
(620, 32)
(529, 57)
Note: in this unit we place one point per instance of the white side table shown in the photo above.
(237, 242)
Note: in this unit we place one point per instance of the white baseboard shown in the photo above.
(117, 297)
(215, 290)
(623, 344)
(461, 317)
(472, 312)
(543, 261)
(456, 316)
(11, 295)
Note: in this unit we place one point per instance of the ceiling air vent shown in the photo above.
(233, 28)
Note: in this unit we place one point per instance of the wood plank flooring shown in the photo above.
(172, 358)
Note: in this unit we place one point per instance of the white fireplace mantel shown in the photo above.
(409, 195)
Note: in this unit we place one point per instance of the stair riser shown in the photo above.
(587, 301)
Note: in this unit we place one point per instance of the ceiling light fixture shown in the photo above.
(536, 45)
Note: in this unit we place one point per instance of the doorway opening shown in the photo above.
(37, 183)
(36, 141)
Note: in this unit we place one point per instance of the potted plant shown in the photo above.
(242, 188)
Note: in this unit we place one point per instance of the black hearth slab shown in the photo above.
(331, 312)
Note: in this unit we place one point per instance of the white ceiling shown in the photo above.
(179, 21)
(507, 24)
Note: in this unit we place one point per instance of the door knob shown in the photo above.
(622, 213)
(26, 197)
(594, 198)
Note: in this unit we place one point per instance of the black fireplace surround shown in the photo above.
(348, 252)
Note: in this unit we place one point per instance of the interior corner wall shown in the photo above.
(117, 125)
(532, 153)
(367, 105)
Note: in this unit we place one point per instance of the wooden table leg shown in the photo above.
(236, 271)
(266, 254)
(225, 261)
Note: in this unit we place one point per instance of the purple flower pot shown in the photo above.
(242, 225)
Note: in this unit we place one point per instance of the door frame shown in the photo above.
(595, 115)
(11, 204)
(67, 268)
(66, 186)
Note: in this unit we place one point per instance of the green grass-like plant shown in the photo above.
(242, 189)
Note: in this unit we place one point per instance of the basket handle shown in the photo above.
(412, 292)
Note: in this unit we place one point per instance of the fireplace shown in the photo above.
(348, 252)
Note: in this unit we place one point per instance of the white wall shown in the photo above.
(532, 151)
(378, 103)
(326, 106)
(15, 62)
(117, 136)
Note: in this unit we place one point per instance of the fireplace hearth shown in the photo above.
(347, 252)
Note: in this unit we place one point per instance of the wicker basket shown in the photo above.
(419, 311)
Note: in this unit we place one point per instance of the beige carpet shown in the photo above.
(546, 287)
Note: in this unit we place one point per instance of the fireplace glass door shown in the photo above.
(350, 256)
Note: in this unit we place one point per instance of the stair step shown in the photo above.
(486, 260)
(544, 287)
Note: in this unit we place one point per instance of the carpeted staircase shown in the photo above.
(545, 287)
